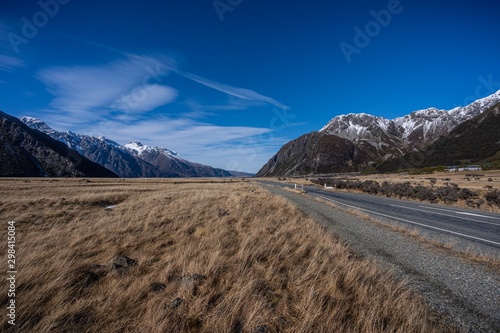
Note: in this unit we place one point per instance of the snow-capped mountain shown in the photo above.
(131, 160)
(169, 161)
(25, 152)
(139, 149)
(475, 140)
(355, 142)
(416, 130)
(37, 124)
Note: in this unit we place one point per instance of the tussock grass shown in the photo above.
(191, 257)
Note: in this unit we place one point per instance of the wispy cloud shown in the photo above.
(242, 93)
(199, 110)
(111, 100)
(182, 132)
(80, 90)
(146, 98)
(9, 62)
(90, 43)
(230, 147)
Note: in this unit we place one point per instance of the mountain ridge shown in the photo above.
(475, 140)
(414, 131)
(25, 152)
(375, 139)
(132, 160)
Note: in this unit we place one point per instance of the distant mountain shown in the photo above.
(132, 160)
(25, 152)
(241, 174)
(474, 140)
(169, 161)
(373, 139)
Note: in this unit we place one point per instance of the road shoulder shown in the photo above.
(465, 294)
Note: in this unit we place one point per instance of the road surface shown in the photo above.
(475, 227)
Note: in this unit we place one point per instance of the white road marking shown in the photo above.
(457, 212)
(455, 217)
(411, 222)
(471, 214)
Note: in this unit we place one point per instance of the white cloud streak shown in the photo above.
(9, 64)
(146, 98)
(242, 93)
(87, 98)
(243, 148)
(81, 90)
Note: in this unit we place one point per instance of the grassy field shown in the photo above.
(474, 180)
(188, 256)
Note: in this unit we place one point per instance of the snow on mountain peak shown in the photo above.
(28, 119)
(138, 148)
(411, 131)
(37, 124)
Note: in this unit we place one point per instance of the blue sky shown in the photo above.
(227, 82)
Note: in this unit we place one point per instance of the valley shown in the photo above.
(235, 166)
(191, 255)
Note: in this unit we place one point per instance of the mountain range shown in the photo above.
(347, 143)
(131, 160)
(472, 141)
(25, 152)
(368, 141)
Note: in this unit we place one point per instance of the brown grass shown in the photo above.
(474, 180)
(211, 257)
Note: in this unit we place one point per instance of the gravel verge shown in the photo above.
(466, 295)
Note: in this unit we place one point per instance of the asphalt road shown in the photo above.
(470, 226)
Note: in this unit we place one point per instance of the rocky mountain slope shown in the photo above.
(102, 151)
(373, 139)
(131, 160)
(408, 133)
(169, 161)
(474, 140)
(25, 152)
(314, 153)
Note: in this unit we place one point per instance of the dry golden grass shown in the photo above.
(474, 180)
(211, 257)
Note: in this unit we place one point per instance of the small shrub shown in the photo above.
(467, 194)
(493, 197)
